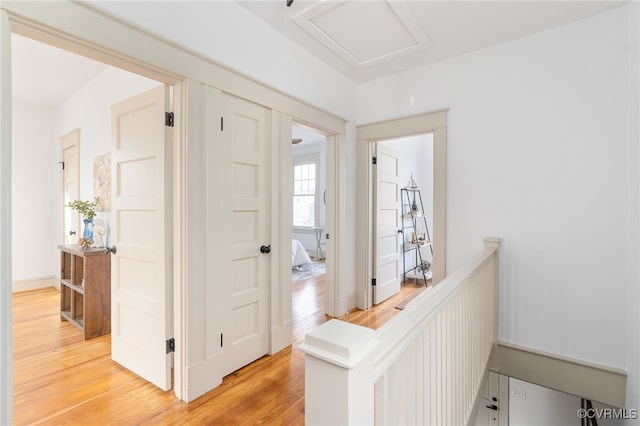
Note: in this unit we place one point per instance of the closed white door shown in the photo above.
(238, 237)
(70, 147)
(387, 224)
(141, 292)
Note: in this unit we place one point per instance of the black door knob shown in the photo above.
(110, 250)
(72, 232)
(265, 249)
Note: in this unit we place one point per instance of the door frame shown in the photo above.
(6, 378)
(334, 306)
(56, 37)
(432, 122)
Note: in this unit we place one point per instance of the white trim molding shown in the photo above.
(36, 283)
(6, 384)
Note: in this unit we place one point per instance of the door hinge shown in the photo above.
(326, 236)
(222, 124)
(171, 345)
(374, 160)
(168, 119)
(221, 340)
(61, 163)
(373, 281)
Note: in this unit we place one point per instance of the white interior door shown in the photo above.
(70, 150)
(141, 292)
(386, 224)
(238, 181)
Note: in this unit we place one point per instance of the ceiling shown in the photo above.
(45, 75)
(364, 40)
(309, 136)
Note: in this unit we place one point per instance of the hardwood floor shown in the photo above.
(60, 379)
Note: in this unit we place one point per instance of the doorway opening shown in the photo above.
(309, 220)
(402, 214)
(79, 100)
(434, 123)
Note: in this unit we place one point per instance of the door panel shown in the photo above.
(387, 224)
(70, 147)
(248, 134)
(141, 285)
(239, 179)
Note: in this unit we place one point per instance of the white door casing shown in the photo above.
(387, 224)
(6, 399)
(433, 122)
(141, 269)
(69, 155)
(238, 272)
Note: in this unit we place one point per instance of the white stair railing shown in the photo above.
(424, 366)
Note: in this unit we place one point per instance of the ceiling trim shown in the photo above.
(399, 14)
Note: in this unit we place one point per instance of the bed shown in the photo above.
(299, 257)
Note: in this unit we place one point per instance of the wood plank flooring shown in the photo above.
(58, 379)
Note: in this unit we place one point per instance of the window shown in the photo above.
(305, 200)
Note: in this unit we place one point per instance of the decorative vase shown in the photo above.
(88, 232)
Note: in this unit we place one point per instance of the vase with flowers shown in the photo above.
(88, 211)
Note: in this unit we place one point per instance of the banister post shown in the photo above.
(339, 374)
(492, 242)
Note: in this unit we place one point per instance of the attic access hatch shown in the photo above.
(364, 33)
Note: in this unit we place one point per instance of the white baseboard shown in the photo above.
(35, 283)
(347, 303)
(281, 337)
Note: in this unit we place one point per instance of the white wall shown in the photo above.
(537, 146)
(36, 193)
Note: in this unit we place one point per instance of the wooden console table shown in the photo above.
(85, 289)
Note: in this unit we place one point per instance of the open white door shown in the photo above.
(69, 148)
(387, 224)
(141, 293)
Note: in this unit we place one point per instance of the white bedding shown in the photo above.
(299, 256)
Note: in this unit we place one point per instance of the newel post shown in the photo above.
(494, 243)
(339, 374)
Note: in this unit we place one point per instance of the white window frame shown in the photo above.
(308, 159)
